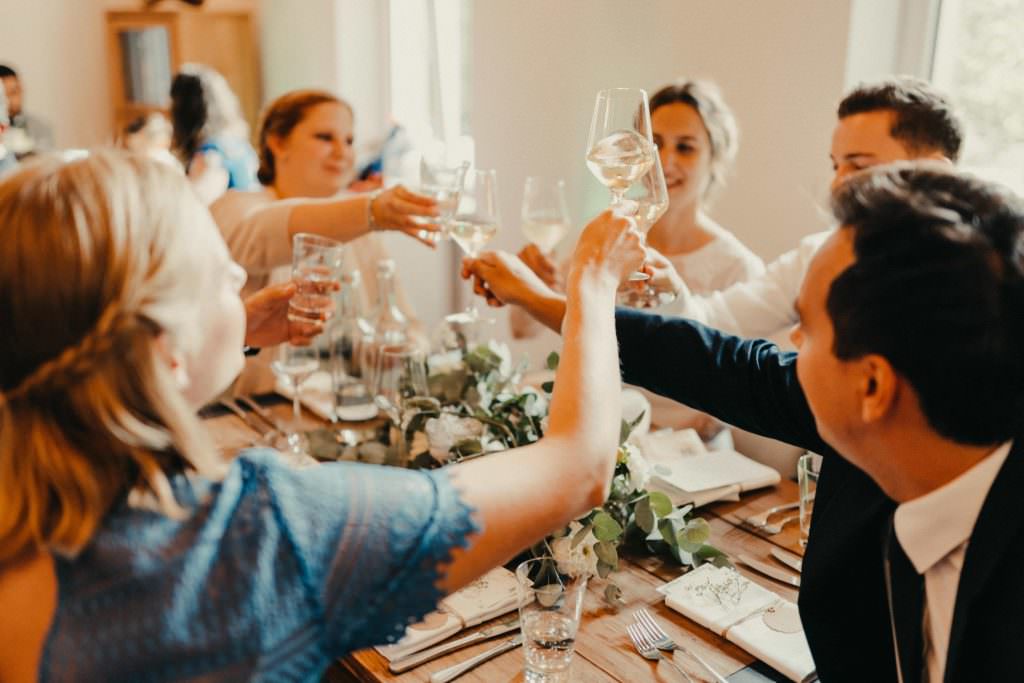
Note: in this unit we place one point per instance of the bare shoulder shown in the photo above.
(28, 596)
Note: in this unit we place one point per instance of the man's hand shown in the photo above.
(537, 261)
(611, 246)
(502, 278)
(664, 285)
(267, 323)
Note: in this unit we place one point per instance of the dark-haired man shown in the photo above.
(29, 134)
(894, 119)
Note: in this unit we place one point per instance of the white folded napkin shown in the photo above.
(698, 477)
(318, 396)
(726, 602)
(490, 596)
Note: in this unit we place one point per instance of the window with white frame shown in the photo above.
(979, 60)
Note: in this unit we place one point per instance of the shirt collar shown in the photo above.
(937, 523)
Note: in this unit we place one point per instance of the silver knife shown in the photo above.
(770, 571)
(412, 661)
(453, 672)
(791, 560)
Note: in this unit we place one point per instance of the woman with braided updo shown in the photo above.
(130, 550)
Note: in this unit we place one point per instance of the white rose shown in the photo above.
(538, 407)
(447, 430)
(444, 363)
(579, 560)
(639, 468)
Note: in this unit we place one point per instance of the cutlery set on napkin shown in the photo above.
(490, 596)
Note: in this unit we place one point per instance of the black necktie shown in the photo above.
(905, 590)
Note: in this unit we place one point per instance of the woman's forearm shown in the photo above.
(340, 219)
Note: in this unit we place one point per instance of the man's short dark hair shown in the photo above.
(937, 288)
(924, 117)
(6, 71)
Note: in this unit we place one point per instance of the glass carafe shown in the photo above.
(351, 337)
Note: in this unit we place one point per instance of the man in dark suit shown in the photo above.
(910, 382)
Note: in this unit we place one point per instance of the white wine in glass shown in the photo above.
(477, 219)
(647, 201)
(545, 213)
(620, 148)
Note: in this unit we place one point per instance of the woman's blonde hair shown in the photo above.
(95, 266)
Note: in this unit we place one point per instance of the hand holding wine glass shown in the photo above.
(477, 219)
(647, 201)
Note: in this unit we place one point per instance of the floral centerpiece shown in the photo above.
(478, 405)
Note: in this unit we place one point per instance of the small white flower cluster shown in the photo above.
(639, 468)
(579, 560)
(444, 432)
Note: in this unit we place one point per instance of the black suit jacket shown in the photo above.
(753, 385)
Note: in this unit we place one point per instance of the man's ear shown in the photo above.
(879, 388)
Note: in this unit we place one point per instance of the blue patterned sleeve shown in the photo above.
(370, 540)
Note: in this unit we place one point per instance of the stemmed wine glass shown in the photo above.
(401, 375)
(316, 270)
(476, 220)
(647, 201)
(620, 149)
(442, 181)
(545, 212)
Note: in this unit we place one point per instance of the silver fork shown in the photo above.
(659, 639)
(648, 650)
(761, 518)
(263, 414)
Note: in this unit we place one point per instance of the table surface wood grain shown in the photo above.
(603, 649)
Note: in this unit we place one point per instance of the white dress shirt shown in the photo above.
(934, 531)
(759, 307)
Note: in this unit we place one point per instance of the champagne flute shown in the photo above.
(477, 218)
(545, 213)
(620, 148)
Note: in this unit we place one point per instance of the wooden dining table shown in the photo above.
(603, 649)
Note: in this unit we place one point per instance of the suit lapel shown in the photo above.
(995, 529)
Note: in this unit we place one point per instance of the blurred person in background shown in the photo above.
(150, 135)
(210, 138)
(29, 134)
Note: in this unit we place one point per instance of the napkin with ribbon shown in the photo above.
(736, 608)
(490, 596)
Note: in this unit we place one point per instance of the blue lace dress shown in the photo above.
(273, 573)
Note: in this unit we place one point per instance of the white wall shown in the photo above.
(59, 48)
(538, 64)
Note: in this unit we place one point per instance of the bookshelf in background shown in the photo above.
(147, 47)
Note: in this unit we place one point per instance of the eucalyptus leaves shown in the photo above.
(476, 407)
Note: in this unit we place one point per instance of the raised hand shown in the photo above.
(267, 322)
(503, 278)
(398, 208)
(610, 245)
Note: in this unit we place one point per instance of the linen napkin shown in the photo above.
(726, 602)
(492, 595)
(318, 397)
(686, 473)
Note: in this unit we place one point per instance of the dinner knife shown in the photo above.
(791, 560)
(770, 571)
(415, 659)
(453, 672)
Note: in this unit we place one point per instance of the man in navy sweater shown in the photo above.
(909, 379)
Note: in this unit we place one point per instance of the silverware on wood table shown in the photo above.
(417, 658)
(661, 640)
(769, 570)
(453, 672)
(791, 560)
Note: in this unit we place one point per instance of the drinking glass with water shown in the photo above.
(550, 605)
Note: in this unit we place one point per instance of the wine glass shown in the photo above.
(294, 365)
(647, 201)
(545, 213)
(401, 375)
(442, 181)
(476, 219)
(620, 148)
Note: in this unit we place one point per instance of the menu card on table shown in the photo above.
(754, 618)
(492, 595)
